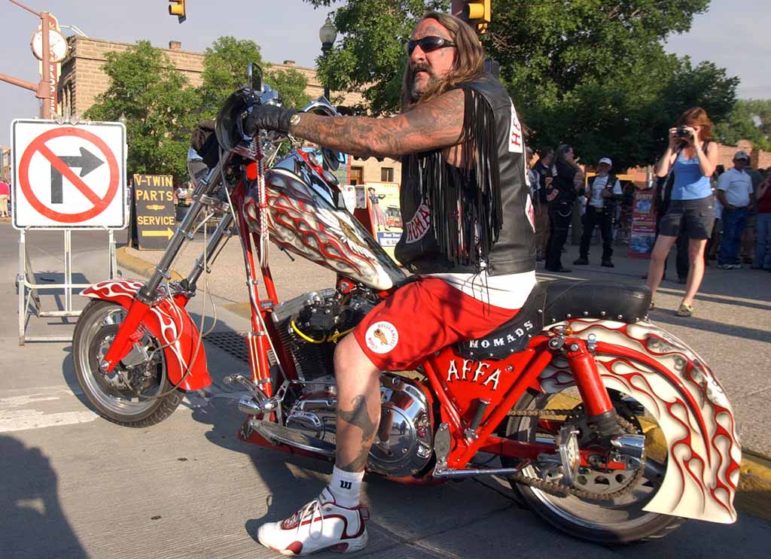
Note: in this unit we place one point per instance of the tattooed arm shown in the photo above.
(437, 123)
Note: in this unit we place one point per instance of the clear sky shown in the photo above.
(734, 35)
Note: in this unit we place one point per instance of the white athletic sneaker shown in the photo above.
(321, 525)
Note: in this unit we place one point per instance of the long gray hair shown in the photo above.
(470, 62)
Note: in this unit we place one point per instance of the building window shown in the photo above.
(356, 176)
(386, 174)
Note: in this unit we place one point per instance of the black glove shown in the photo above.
(268, 117)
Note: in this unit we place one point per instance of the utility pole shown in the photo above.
(45, 89)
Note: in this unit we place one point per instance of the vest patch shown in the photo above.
(530, 212)
(419, 225)
(516, 144)
(382, 337)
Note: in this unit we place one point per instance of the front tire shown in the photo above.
(133, 396)
(619, 521)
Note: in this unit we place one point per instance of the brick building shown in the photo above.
(82, 80)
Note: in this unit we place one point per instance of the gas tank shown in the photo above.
(307, 221)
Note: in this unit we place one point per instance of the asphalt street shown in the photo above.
(74, 485)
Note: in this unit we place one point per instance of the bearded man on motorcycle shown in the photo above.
(468, 237)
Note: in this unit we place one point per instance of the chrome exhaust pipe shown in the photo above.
(249, 406)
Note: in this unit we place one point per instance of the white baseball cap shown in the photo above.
(607, 161)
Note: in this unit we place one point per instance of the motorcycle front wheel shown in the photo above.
(138, 394)
(617, 521)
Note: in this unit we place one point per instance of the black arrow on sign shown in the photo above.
(86, 161)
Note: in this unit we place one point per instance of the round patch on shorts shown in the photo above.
(381, 337)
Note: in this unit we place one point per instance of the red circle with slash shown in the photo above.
(38, 145)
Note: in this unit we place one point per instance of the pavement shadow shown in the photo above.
(29, 492)
(68, 374)
(743, 332)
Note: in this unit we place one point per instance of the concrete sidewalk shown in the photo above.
(731, 329)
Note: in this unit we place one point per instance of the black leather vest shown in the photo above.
(512, 249)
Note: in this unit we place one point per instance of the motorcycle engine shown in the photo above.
(309, 326)
(404, 441)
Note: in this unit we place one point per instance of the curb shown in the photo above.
(752, 495)
(139, 265)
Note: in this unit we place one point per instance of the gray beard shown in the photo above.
(415, 95)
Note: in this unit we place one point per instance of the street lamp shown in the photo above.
(327, 34)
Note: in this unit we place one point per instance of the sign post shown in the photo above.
(65, 177)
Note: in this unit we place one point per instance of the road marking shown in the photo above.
(20, 413)
(21, 420)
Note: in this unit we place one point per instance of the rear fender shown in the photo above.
(681, 392)
(171, 324)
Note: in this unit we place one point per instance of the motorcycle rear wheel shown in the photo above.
(620, 521)
(113, 395)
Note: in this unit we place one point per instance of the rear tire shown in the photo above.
(114, 396)
(605, 522)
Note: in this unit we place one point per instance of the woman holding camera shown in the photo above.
(691, 157)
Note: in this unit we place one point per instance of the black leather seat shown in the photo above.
(556, 301)
(596, 299)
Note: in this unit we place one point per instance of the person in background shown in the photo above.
(735, 193)
(710, 253)
(603, 192)
(5, 194)
(692, 157)
(567, 181)
(749, 236)
(542, 172)
(380, 221)
(762, 259)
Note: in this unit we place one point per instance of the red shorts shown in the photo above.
(420, 318)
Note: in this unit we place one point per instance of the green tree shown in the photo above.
(290, 84)
(589, 72)
(156, 104)
(225, 64)
(224, 70)
(749, 120)
(371, 55)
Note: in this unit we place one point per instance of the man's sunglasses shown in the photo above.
(428, 44)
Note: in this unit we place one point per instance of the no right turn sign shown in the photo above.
(68, 176)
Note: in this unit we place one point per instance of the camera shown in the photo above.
(682, 132)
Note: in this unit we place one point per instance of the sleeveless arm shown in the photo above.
(435, 124)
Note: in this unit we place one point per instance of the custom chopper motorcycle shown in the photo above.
(607, 426)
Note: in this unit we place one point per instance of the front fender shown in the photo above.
(681, 392)
(171, 324)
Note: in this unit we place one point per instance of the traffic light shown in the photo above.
(177, 8)
(478, 14)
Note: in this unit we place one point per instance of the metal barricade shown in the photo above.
(27, 287)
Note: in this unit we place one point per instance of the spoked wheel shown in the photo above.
(137, 393)
(606, 499)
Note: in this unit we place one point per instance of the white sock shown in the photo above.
(346, 487)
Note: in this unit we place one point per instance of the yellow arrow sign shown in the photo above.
(156, 233)
(155, 207)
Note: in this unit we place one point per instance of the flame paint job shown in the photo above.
(680, 391)
(185, 357)
(304, 221)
